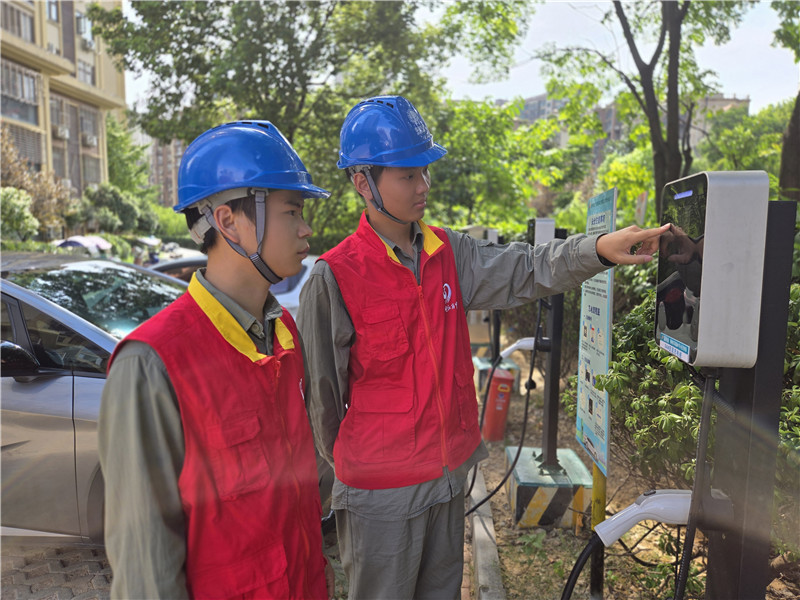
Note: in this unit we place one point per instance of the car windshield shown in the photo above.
(114, 297)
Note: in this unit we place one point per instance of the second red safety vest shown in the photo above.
(411, 408)
(249, 483)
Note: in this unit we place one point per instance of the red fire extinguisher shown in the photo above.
(494, 419)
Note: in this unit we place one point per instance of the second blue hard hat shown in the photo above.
(386, 131)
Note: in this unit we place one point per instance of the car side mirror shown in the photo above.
(17, 361)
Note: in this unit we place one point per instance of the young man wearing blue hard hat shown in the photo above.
(383, 316)
(205, 445)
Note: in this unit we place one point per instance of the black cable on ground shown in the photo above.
(591, 546)
(521, 438)
(495, 364)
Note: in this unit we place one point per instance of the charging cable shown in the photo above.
(521, 344)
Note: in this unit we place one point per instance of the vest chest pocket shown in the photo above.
(236, 454)
(384, 333)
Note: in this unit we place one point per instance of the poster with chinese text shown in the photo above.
(594, 337)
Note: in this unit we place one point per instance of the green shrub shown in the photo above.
(655, 406)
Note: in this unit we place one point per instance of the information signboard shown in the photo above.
(595, 339)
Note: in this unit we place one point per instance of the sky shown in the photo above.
(748, 66)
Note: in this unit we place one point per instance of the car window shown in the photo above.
(183, 273)
(5, 323)
(114, 297)
(57, 346)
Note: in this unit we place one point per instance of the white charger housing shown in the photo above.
(711, 267)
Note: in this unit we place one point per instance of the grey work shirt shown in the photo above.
(491, 276)
(141, 449)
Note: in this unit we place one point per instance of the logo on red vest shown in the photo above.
(447, 293)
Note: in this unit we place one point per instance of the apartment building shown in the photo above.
(57, 87)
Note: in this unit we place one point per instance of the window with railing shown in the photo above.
(20, 92)
(60, 161)
(91, 169)
(88, 119)
(85, 72)
(58, 113)
(28, 144)
(17, 21)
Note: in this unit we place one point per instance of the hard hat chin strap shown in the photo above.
(255, 258)
(377, 201)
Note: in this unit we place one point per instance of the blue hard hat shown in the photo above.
(242, 154)
(386, 131)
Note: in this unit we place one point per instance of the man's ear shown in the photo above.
(226, 222)
(361, 185)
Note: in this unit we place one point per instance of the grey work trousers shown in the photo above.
(421, 558)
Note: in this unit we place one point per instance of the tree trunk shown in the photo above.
(789, 178)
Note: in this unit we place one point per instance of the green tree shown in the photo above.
(111, 209)
(213, 60)
(16, 219)
(665, 83)
(301, 65)
(50, 200)
(737, 141)
(127, 161)
(788, 36)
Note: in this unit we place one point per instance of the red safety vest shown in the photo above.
(249, 483)
(411, 405)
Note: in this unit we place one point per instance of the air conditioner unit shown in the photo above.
(60, 132)
(87, 44)
(89, 140)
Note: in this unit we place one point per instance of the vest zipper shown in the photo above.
(437, 377)
(290, 453)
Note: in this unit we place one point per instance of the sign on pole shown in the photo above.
(594, 351)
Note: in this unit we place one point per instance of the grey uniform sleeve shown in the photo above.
(497, 276)
(328, 333)
(141, 450)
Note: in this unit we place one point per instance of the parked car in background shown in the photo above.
(181, 268)
(62, 316)
(287, 291)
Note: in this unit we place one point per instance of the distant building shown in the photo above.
(58, 83)
(540, 107)
(707, 106)
(164, 162)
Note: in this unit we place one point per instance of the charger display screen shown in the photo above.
(680, 267)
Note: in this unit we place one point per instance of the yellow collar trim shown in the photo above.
(284, 336)
(430, 242)
(229, 328)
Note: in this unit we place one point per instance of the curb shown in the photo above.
(488, 582)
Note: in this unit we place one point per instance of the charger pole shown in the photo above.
(596, 574)
(747, 437)
(552, 379)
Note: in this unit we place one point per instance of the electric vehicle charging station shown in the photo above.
(730, 249)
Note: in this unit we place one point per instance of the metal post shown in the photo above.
(552, 378)
(552, 383)
(747, 439)
(597, 568)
